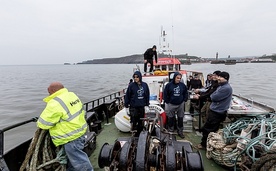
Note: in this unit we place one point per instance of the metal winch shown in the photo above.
(160, 151)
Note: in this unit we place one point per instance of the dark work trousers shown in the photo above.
(172, 110)
(195, 102)
(212, 125)
(135, 118)
(151, 65)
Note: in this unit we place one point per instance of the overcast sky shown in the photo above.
(58, 31)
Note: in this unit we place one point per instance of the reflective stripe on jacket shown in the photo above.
(63, 116)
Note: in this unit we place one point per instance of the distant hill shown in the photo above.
(139, 59)
(273, 57)
(134, 59)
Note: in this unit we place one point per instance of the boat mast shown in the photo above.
(173, 56)
(164, 46)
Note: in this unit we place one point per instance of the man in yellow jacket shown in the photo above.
(64, 118)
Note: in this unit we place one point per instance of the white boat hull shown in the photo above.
(122, 120)
(244, 106)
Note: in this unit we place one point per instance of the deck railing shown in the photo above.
(2, 131)
(100, 101)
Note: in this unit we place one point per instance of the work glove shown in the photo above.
(127, 111)
(35, 119)
(147, 110)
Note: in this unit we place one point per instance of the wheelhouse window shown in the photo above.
(177, 67)
(157, 67)
(163, 67)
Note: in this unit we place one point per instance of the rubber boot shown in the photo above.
(180, 127)
(170, 124)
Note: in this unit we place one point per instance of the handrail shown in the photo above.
(97, 102)
(9, 128)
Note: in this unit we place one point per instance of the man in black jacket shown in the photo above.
(204, 96)
(148, 58)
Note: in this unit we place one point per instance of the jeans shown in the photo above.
(77, 159)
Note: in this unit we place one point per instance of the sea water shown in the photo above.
(24, 86)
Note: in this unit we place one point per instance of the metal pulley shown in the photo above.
(126, 156)
(108, 153)
(193, 161)
(103, 159)
(170, 158)
(142, 152)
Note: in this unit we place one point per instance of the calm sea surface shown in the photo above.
(23, 87)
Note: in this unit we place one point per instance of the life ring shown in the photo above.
(158, 109)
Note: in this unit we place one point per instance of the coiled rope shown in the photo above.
(222, 153)
(243, 142)
(42, 155)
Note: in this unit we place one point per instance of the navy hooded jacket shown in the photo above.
(175, 93)
(137, 95)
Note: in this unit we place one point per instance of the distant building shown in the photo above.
(262, 60)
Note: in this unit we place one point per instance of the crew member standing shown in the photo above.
(221, 100)
(148, 58)
(137, 101)
(64, 118)
(175, 94)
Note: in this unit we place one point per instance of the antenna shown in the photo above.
(172, 35)
(160, 40)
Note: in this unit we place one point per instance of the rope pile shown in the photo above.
(219, 151)
(243, 142)
(42, 155)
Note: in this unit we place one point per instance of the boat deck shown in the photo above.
(110, 133)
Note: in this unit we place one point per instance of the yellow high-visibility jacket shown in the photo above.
(63, 116)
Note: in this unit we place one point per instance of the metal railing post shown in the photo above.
(1, 143)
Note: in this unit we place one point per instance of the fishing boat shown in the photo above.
(217, 62)
(110, 144)
(230, 62)
(101, 110)
(155, 147)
